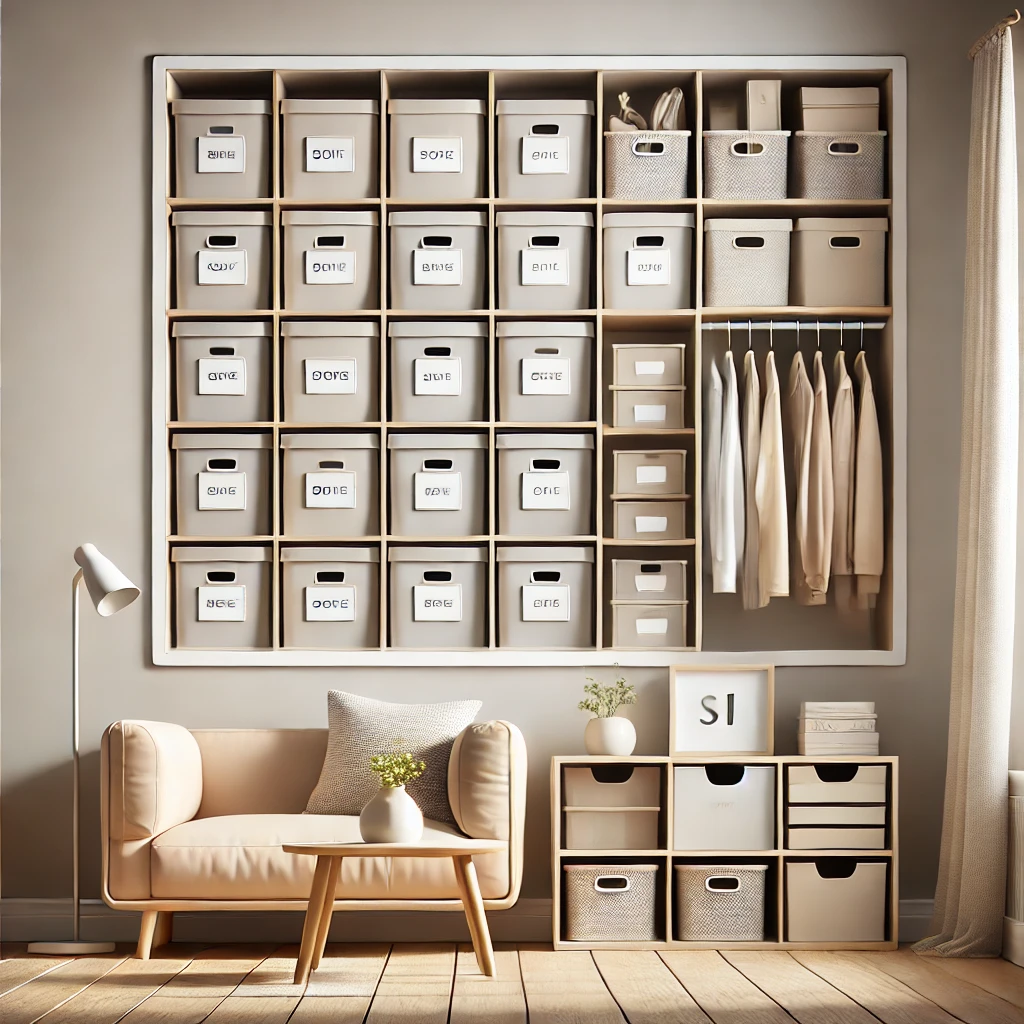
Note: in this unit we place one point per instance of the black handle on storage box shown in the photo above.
(222, 241)
(836, 867)
(438, 241)
(749, 242)
(330, 577)
(546, 576)
(228, 464)
(329, 242)
(221, 129)
(437, 576)
(438, 463)
(544, 129)
(331, 464)
(437, 350)
(220, 350)
(836, 772)
(844, 242)
(650, 567)
(724, 774)
(612, 774)
(650, 241)
(546, 463)
(843, 148)
(544, 242)
(220, 576)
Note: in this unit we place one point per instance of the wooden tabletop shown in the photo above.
(450, 848)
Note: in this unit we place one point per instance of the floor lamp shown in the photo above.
(110, 591)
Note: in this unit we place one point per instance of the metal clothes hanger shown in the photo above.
(750, 333)
(817, 327)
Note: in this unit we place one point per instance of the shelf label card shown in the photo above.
(546, 377)
(650, 583)
(330, 604)
(441, 154)
(545, 154)
(330, 266)
(651, 474)
(437, 266)
(437, 491)
(221, 491)
(222, 375)
(545, 490)
(223, 266)
(651, 524)
(437, 375)
(333, 489)
(651, 627)
(649, 368)
(650, 413)
(330, 376)
(547, 602)
(648, 267)
(221, 154)
(437, 602)
(221, 604)
(330, 155)
(544, 266)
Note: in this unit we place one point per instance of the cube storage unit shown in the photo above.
(646, 166)
(610, 901)
(720, 902)
(544, 259)
(745, 165)
(839, 261)
(222, 371)
(330, 371)
(330, 598)
(648, 260)
(829, 165)
(438, 371)
(746, 262)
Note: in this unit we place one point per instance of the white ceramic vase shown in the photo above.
(613, 737)
(391, 817)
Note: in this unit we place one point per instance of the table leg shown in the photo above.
(326, 911)
(469, 889)
(314, 910)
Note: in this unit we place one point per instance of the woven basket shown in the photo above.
(827, 165)
(646, 165)
(745, 165)
(732, 913)
(736, 276)
(613, 902)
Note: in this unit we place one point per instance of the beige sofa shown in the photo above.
(195, 820)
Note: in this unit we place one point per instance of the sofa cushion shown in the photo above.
(239, 857)
(361, 727)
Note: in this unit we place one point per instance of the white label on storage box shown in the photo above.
(437, 602)
(437, 154)
(545, 490)
(649, 368)
(437, 491)
(545, 154)
(221, 604)
(330, 604)
(651, 627)
(330, 376)
(545, 266)
(221, 154)
(648, 266)
(548, 602)
(222, 266)
(651, 524)
(435, 375)
(649, 413)
(333, 489)
(222, 375)
(221, 491)
(546, 377)
(437, 266)
(330, 155)
(650, 583)
(330, 266)
(651, 474)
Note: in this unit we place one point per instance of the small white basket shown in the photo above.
(610, 902)
(720, 902)
(745, 165)
(827, 165)
(746, 262)
(646, 165)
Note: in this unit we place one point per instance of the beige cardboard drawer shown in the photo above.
(649, 625)
(848, 908)
(657, 473)
(636, 579)
(864, 784)
(610, 829)
(653, 410)
(852, 814)
(836, 839)
(648, 365)
(650, 520)
(612, 786)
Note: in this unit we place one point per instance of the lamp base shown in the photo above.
(70, 948)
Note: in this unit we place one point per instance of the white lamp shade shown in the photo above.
(108, 587)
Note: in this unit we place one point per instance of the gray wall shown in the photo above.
(76, 369)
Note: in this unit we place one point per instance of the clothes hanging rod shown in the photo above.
(793, 325)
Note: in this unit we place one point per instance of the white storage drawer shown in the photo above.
(653, 410)
(648, 365)
(636, 580)
(848, 814)
(612, 786)
(650, 520)
(610, 902)
(837, 783)
(610, 829)
(724, 807)
(839, 261)
(720, 902)
(836, 899)
(648, 260)
(836, 839)
(645, 626)
(655, 473)
(746, 262)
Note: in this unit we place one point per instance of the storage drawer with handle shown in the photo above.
(642, 626)
(650, 520)
(651, 410)
(648, 581)
(654, 473)
(837, 783)
(836, 899)
(658, 366)
(835, 839)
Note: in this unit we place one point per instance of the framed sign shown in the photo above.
(721, 709)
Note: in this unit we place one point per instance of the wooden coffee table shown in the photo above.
(325, 882)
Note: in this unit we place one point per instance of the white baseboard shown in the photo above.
(27, 920)
(1013, 941)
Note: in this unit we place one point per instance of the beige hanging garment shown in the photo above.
(843, 467)
(751, 431)
(800, 414)
(728, 531)
(770, 495)
(817, 552)
(868, 510)
(712, 457)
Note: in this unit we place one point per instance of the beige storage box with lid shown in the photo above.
(330, 372)
(545, 149)
(438, 597)
(222, 371)
(330, 485)
(438, 149)
(222, 259)
(222, 597)
(222, 149)
(649, 626)
(650, 520)
(544, 259)
(331, 259)
(839, 110)
(330, 149)
(545, 371)
(648, 365)
(545, 597)
(612, 807)
(836, 899)
(724, 807)
(330, 598)
(438, 485)
(746, 262)
(720, 902)
(438, 371)
(648, 409)
(222, 483)
(646, 166)
(832, 165)
(839, 261)
(635, 579)
(745, 165)
(648, 260)
(438, 259)
(610, 902)
(657, 473)
(545, 485)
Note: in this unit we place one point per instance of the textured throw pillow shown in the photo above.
(361, 727)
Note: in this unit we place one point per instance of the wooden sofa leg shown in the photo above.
(154, 932)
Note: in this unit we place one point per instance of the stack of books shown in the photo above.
(838, 728)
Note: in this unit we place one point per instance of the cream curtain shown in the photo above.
(970, 896)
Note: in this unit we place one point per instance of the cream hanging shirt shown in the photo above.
(728, 533)
(868, 509)
(770, 495)
(843, 476)
(751, 437)
(798, 421)
(820, 515)
(712, 456)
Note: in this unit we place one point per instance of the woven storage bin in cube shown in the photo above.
(745, 165)
(828, 165)
(610, 902)
(746, 262)
(720, 902)
(646, 165)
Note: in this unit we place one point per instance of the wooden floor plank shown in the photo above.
(999, 977)
(243, 1010)
(724, 994)
(341, 989)
(416, 985)
(29, 1002)
(800, 992)
(273, 977)
(18, 971)
(476, 998)
(647, 991)
(566, 988)
(888, 999)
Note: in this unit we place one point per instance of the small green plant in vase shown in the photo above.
(607, 734)
(392, 816)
